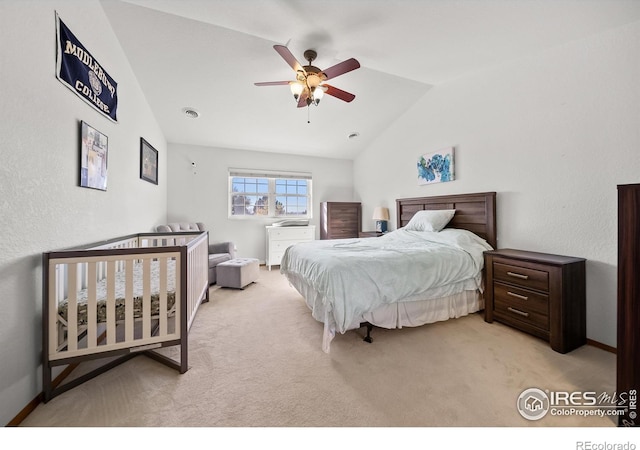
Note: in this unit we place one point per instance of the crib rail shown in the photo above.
(127, 295)
(73, 336)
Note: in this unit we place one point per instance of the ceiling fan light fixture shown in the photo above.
(296, 89)
(317, 93)
(313, 80)
(307, 88)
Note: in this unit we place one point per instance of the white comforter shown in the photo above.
(354, 276)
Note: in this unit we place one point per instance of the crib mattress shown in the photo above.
(120, 294)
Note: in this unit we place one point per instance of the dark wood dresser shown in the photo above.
(539, 293)
(340, 220)
(628, 346)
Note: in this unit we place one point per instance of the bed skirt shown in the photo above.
(413, 313)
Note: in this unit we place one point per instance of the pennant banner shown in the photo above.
(80, 72)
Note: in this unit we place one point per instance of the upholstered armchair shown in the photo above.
(218, 251)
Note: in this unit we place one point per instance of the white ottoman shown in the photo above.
(237, 273)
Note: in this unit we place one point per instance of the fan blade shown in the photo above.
(338, 93)
(272, 83)
(341, 68)
(289, 58)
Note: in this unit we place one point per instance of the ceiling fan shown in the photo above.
(308, 87)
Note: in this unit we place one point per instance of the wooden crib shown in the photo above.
(120, 298)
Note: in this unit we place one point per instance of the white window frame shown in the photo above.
(271, 176)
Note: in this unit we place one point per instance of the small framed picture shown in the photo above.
(148, 162)
(94, 147)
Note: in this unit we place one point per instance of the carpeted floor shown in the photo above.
(256, 361)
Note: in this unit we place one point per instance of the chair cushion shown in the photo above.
(217, 258)
(219, 252)
(184, 227)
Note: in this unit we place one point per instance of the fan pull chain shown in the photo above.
(308, 114)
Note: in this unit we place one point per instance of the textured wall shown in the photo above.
(553, 134)
(41, 206)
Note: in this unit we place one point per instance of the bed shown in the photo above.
(412, 276)
(120, 298)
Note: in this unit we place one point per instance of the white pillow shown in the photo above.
(430, 220)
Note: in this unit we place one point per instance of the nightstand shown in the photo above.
(538, 293)
(365, 234)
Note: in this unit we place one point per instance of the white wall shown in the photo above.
(200, 194)
(41, 206)
(553, 135)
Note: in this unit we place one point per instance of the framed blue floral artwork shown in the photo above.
(436, 167)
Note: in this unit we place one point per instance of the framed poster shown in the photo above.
(148, 162)
(94, 148)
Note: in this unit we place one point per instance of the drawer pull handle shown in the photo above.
(517, 311)
(518, 275)
(521, 297)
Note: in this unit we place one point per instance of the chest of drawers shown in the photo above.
(539, 293)
(279, 238)
(340, 220)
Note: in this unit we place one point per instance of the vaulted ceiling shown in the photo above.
(207, 55)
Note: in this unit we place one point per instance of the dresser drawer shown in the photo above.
(521, 298)
(291, 233)
(281, 246)
(338, 233)
(345, 219)
(523, 314)
(342, 226)
(275, 258)
(522, 276)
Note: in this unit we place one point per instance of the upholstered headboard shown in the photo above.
(474, 212)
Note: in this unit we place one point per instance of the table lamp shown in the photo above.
(381, 215)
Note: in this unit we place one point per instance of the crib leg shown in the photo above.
(368, 337)
(206, 296)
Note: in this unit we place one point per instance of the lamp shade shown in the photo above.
(296, 89)
(380, 213)
(317, 94)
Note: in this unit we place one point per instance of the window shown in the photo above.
(269, 194)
